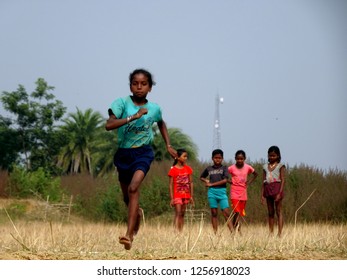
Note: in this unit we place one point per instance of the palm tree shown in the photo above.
(81, 130)
(178, 140)
(105, 147)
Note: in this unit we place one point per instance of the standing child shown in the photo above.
(133, 117)
(239, 183)
(272, 187)
(216, 178)
(181, 187)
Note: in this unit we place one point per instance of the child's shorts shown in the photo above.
(239, 206)
(217, 196)
(129, 160)
(181, 201)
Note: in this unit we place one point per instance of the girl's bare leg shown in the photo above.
(279, 215)
(271, 212)
(236, 219)
(181, 216)
(138, 220)
(178, 208)
(131, 194)
(227, 217)
(125, 193)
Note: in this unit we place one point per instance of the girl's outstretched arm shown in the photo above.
(165, 135)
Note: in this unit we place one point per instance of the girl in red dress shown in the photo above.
(181, 187)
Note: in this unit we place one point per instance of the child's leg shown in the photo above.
(125, 240)
(279, 215)
(227, 217)
(179, 216)
(183, 211)
(138, 220)
(271, 212)
(214, 219)
(213, 202)
(124, 188)
(242, 213)
(133, 207)
(236, 211)
(236, 219)
(224, 206)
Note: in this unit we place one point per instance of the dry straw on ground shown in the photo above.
(156, 241)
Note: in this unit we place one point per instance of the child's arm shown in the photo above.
(191, 189)
(255, 175)
(114, 123)
(262, 188)
(171, 191)
(221, 182)
(204, 177)
(164, 133)
(205, 180)
(229, 175)
(282, 176)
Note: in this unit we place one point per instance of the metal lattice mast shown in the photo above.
(217, 143)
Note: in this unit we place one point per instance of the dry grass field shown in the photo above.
(80, 240)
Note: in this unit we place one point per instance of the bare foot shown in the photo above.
(126, 241)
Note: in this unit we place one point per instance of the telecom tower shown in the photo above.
(217, 143)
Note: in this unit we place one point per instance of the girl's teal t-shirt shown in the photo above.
(138, 132)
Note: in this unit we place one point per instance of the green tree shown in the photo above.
(9, 143)
(81, 130)
(105, 147)
(178, 140)
(35, 115)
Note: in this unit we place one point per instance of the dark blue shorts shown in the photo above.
(130, 160)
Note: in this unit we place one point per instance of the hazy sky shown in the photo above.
(281, 66)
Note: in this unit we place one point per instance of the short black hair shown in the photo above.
(217, 152)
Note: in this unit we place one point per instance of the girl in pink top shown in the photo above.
(239, 182)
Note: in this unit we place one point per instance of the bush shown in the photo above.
(101, 198)
(24, 184)
(110, 205)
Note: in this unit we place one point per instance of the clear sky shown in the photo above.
(281, 66)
